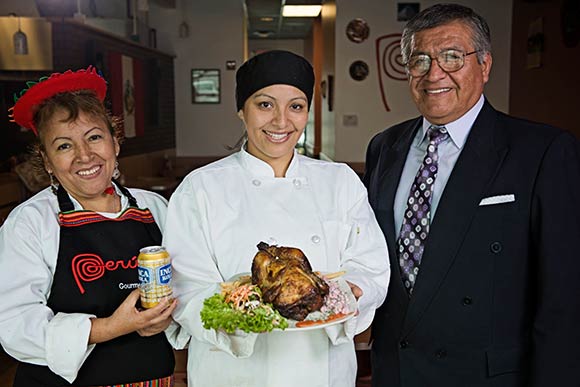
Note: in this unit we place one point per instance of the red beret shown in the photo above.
(23, 110)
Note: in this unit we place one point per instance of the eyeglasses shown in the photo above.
(448, 60)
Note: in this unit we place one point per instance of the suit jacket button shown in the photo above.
(403, 344)
(495, 247)
(441, 354)
(467, 301)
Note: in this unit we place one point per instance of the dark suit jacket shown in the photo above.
(497, 299)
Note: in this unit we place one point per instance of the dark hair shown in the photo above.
(440, 14)
(73, 104)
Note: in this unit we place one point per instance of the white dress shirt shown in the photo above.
(448, 151)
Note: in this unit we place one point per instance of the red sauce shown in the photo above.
(308, 323)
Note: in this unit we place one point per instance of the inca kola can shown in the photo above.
(154, 275)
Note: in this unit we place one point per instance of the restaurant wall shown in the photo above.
(76, 46)
(328, 15)
(20, 8)
(359, 110)
(544, 83)
(296, 46)
(216, 35)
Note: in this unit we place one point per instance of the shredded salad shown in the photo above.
(335, 302)
(240, 306)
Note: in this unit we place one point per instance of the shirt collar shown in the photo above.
(124, 200)
(259, 167)
(459, 129)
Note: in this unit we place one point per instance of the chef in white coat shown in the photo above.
(268, 192)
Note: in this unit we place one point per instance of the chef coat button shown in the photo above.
(495, 247)
(467, 301)
(256, 182)
(403, 344)
(297, 183)
(441, 354)
(315, 239)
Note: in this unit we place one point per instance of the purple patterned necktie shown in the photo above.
(417, 217)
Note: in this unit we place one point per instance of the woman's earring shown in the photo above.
(116, 172)
(53, 184)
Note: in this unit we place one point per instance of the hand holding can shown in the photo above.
(154, 275)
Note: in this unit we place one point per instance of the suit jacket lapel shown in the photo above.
(478, 163)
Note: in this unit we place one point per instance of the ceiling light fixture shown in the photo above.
(301, 10)
(263, 34)
(20, 41)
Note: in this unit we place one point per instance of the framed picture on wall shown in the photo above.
(205, 86)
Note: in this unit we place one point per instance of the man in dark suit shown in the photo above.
(481, 212)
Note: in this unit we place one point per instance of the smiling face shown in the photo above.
(81, 154)
(444, 97)
(275, 118)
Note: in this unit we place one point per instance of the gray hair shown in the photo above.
(440, 14)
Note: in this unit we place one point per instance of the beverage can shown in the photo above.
(154, 275)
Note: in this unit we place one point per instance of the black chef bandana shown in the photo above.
(272, 68)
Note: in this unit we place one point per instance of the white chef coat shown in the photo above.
(218, 215)
(29, 241)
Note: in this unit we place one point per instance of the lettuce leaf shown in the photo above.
(218, 314)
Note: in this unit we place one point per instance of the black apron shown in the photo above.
(96, 270)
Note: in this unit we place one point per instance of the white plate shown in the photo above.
(351, 302)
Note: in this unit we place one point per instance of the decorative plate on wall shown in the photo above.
(357, 30)
(358, 70)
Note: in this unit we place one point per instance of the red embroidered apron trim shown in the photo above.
(163, 382)
(81, 218)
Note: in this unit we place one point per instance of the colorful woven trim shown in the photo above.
(36, 92)
(163, 382)
(80, 218)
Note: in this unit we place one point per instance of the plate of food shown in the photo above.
(282, 292)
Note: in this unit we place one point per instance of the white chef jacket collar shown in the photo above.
(460, 128)
(259, 167)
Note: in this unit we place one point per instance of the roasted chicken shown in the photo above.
(287, 282)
